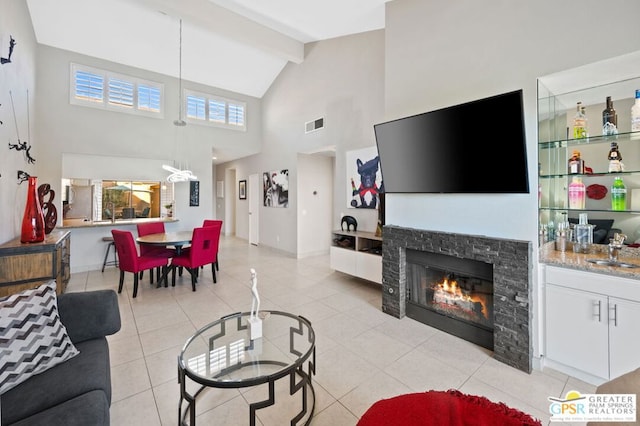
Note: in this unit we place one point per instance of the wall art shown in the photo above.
(242, 189)
(364, 178)
(276, 188)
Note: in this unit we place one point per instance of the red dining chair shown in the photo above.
(202, 252)
(217, 224)
(130, 261)
(147, 250)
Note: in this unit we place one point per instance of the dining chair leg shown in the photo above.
(213, 271)
(194, 274)
(173, 277)
(121, 281)
(135, 285)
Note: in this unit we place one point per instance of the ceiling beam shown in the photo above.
(228, 24)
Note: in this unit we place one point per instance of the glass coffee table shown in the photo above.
(222, 355)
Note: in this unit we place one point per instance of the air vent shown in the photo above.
(312, 126)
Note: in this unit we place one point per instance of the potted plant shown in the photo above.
(169, 208)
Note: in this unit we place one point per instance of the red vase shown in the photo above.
(33, 220)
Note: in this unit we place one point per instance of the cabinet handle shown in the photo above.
(598, 313)
(614, 317)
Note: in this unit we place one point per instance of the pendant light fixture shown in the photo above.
(178, 175)
(180, 122)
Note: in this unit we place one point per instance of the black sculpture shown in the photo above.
(23, 146)
(12, 43)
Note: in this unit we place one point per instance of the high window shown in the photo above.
(202, 108)
(117, 92)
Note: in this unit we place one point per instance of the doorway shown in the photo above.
(254, 203)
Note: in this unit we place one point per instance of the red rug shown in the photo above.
(439, 408)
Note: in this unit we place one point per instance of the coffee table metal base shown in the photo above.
(300, 381)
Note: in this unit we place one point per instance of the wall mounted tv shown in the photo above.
(476, 147)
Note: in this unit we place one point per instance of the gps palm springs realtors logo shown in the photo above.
(576, 407)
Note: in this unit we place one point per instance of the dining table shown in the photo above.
(177, 240)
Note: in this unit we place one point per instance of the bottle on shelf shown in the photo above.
(618, 195)
(584, 234)
(615, 159)
(609, 119)
(579, 123)
(583, 109)
(575, 165)
(635, 116)
(577, 193)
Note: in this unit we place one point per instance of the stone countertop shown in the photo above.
(568, 259)
(81, 223)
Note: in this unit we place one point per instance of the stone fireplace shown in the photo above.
(511, 285)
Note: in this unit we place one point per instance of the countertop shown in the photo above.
(568, 259)
(81, 223)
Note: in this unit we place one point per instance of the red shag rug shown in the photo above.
(442, 408)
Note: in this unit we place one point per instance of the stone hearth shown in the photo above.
(511, 282)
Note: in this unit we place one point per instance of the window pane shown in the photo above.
(120, 93)
(236, 115)
(217, 111)
(148, 98)
(196, 108)
(89, 86)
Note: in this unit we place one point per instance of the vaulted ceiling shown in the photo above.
(237, 45)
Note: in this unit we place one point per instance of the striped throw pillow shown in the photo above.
(32, 338)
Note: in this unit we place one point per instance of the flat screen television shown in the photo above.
(476, 147)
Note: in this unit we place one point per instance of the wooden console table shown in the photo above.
(25, 266)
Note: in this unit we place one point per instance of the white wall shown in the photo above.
(342, 80)
(17, 80)
(444, 53)
(315, 204)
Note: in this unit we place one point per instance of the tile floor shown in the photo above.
(363, 355)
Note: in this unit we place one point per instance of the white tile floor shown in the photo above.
(363, 355)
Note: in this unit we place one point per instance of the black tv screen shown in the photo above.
(475, 147)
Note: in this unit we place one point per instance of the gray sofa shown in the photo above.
(78, 391)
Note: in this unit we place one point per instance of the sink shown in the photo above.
(606, 262)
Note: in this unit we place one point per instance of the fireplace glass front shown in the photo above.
(452, 294)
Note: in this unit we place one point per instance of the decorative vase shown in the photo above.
(33, 220)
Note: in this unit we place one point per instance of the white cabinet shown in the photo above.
(357, 253)
(572, 316)
(591, 324)
(624, 318)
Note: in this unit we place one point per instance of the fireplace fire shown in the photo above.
(452, 294)
(448, 296)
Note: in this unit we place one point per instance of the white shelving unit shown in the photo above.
(357, 253)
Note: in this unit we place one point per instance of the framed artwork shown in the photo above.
(194, 193)
(242, 189)
(364, 179)
(276, 188)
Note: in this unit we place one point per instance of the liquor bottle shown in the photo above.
(583, 110)
(635, 116)
(615, 159)
(609, 119)
(575, 165)
(577, 193)
(618, 195)
(579, 123)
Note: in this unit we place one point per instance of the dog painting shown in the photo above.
(364, 179)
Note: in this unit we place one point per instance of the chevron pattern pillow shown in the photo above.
(32, 338)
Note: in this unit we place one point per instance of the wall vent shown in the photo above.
(312, 126)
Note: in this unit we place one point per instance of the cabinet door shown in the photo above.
(624, 317)
(343, 260)
(370, 267)
(577, 330)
